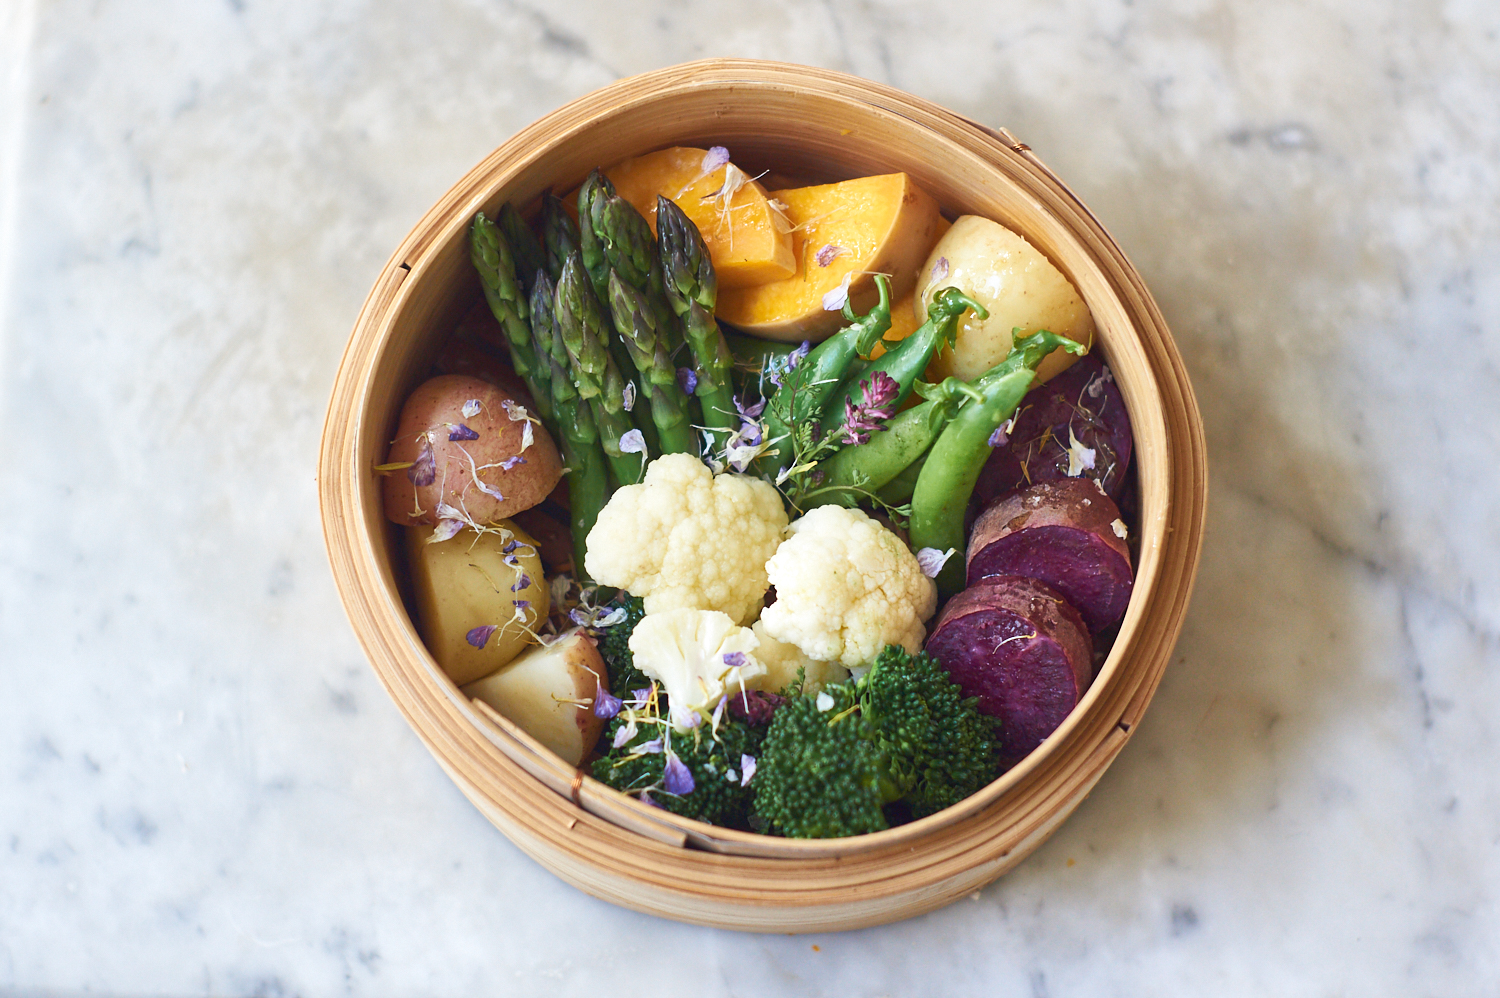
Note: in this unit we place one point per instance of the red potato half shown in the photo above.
(1066, 533)
(1022, 650)
(455, 427)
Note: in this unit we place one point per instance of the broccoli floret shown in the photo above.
(713, 758)
(901, 733)
(614, 647)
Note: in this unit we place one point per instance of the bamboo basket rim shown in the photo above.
(423, 692)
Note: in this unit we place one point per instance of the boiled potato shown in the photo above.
(1017, 284)
(549, 692)
(468, 441)
(471, 581)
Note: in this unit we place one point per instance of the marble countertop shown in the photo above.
(203, 788)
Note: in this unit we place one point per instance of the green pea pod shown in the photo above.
(905, 362)
(947, 480)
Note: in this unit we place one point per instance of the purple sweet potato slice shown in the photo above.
(1082, 403)
(1022, 650)
(1067, 534)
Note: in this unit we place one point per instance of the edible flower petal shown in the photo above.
(932, 560)
(677, 779)
(480, 636)
(747, 769)
(458, 431)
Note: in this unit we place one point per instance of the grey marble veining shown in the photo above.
(203, 789)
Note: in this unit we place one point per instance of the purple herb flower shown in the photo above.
(880, 394)
(627, 394)
(687, 380)
(677, 779)
(511, 545)
(747, 769)
(471, 408)
(716, 157)
(650, 748)
(511, 462)
(828, 254)
(999, 438)
(458, 431)
(521, 583)
(750, 413)
(423, 470)
(606, 704)
(940, 269)
(639, 698)
(795, 357)
(734, 659)
(521, 605)
(480, 636)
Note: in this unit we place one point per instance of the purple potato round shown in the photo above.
(1068, 534)
(1022, 650)
(1081, 403)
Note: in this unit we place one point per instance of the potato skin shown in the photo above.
(547, 690)
(1017, 284)
(428, 418)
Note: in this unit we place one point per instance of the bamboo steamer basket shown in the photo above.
(828, 126)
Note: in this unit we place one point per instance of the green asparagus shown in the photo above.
(692, 289)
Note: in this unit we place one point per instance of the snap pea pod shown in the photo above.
(806, 388)
(905, 362)
(947, 480)
(897, 492)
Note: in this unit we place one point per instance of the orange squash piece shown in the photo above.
(856, 228)
(746, 238)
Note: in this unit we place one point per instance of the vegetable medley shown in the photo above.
(702, 561)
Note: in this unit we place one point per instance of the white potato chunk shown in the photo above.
(470, 592)
(1017, 284)
(548, 690)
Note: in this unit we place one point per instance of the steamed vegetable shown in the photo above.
(845, 588)
(698, 656)
(1067, 534)
(686, 537)
(1020, 649)
(1021, 289)
(842, 235)
(692, 290)
(549, 691)
(832, 764)
(466, 453)
(1074, 425)
(480, 597)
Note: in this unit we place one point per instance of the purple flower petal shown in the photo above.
(445, 530)
(645, 798)
(677, 779)
(747, 769)
(628, 394)
(931, 560)
(521, 604)
(650, 748)
(716, 157)
(641, 697)
(687, 380)
(471, 408)
(999, 438)
(754, 707)
(606, 704)
(458, 431)
(511, 462)
(795, 357)
(734, 659)
(633, 442)
(828, 254)
(625, 732)
(480, 636)
(939, 269)
(750, 413)
(423, 470)
(521, 583)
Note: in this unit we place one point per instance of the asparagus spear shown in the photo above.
(594, 192)
(559, 235)
(588, 485)
(583, 327)
(628, 247)
(638, 324)
(497, 273)
(692, 289)
(524, 247)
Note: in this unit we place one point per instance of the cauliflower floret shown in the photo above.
(686, 537)
(782, 660)
(845, 588)
(697, 656)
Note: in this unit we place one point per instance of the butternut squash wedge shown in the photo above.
(856, 228)
(746, 237)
